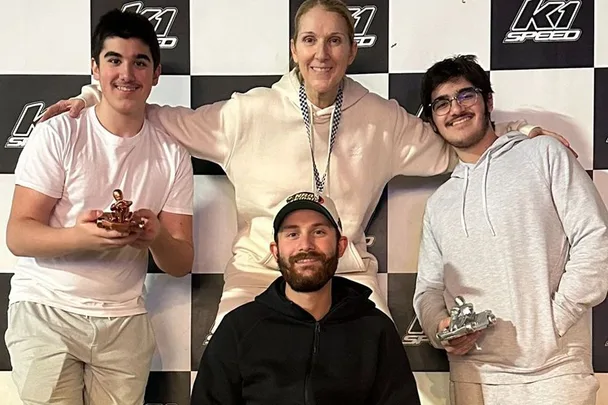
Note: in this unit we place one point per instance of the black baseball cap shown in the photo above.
(308, 201)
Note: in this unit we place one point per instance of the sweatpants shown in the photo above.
(575, 389)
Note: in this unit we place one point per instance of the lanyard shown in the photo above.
(333, 129)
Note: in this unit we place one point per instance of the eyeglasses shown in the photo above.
(465, 98)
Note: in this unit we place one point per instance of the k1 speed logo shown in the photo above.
(30, 114)
(545, 21)
(414, 336)
(161, 18)
(363, 16)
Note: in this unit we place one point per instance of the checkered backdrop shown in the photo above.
(548, 61)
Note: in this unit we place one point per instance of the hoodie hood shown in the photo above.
(462, 171)
(502, 145)
(349, 300)
(320, 119)
(289, 86)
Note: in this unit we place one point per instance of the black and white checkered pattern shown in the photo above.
(212, 48)
(336, 115)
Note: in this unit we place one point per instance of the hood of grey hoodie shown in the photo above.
(462, 171)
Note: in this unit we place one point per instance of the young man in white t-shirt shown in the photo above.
(78, 330)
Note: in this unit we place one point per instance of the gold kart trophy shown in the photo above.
(120, 218)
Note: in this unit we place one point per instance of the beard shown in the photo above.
(472, 139)
(302, 279)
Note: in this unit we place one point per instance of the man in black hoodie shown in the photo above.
(311, 337)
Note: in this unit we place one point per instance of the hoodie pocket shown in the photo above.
(269, 262)
(562, 320)
(351, 261)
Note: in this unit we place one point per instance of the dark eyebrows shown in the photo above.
(315, 225)
(330, 34)
(143, 56)
(112, 54)
(446, 97)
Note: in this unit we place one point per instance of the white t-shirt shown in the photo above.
(80, 163)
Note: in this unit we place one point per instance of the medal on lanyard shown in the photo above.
(333, 129)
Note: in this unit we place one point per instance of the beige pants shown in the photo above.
(67, 359)
(573, 389)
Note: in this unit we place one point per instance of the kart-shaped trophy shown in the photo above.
(120, 218)
(464, 320)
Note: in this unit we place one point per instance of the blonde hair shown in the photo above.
(334, 6)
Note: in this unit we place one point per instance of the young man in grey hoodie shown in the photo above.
(519, 229)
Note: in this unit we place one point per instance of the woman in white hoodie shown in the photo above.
(315, 129)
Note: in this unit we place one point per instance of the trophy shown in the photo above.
(464, 320)
(120, 218)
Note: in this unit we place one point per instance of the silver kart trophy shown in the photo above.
(464, 320)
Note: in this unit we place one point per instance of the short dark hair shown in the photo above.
(125, 24)
(464, 66)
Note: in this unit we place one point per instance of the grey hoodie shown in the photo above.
(523, 232)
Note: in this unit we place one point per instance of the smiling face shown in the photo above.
(126, 74)
(307, 250)
(323, 50)
(466, 123)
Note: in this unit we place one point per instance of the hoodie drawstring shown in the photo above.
(484, 194)
(464, 197)
(501, 146)
(484, 198)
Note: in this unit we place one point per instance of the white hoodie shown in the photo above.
(260, 141)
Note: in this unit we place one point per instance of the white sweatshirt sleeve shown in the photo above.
(419, 151)
(207, 133)
(429, 303)
(585, 221)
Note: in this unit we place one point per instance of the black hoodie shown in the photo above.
(272, 352)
